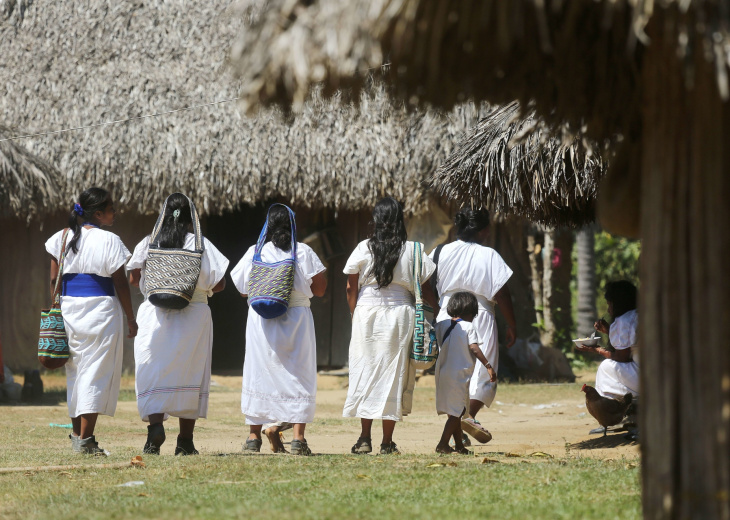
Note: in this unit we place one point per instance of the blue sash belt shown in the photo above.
(80, 284)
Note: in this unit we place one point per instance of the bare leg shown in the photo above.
(88, 422)
(474, 407)
(458, 435)
(76, 422)
(299, 431)
(366, 426)
(156, 418)
(186, 428)
(255, 432)
(388, 427)
(452, 424)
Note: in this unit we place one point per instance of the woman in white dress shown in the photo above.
(94, 296)
(380, 294)
(618, 375)
(280, 367)
(466, 265)
(173, 349)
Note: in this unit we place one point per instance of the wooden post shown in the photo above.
(685, 290)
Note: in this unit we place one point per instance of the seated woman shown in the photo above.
(619, 373)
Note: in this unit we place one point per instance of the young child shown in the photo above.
(459, 350)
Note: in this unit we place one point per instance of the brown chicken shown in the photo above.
(605, 410)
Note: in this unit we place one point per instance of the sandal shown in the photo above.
(155, 439)
(463, 451)
(300, 448)
(252, 446)
(185, 447)
(363, 446)
(476, 430)
(89, 446)
(445, 452)
(389, 449)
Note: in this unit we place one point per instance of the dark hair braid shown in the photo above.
(279, 228)
(90, 201)
(469, 222)
(387, 240)
(174, 230)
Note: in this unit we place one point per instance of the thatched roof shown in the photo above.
(27, 183)
(514, 165)
(68, 64)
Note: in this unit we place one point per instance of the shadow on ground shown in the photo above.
(609, 441)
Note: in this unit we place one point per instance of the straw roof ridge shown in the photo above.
(515, 163)
(87, 62)
(27, 183)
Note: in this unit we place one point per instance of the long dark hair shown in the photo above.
(469, 222)
(90, 201)
(279, 228)
(623, 296)
(387, 240)
(174, 230)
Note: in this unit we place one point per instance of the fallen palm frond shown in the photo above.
(513, 164)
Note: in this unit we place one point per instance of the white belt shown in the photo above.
(484, 303)
(298, 300)
(199, 296)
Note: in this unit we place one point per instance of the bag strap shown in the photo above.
(62, 258)
(435, 276)
(448, 331)
(154, 237)
(262, 237)
(417, 263)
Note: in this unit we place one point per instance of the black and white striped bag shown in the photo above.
(171, 275)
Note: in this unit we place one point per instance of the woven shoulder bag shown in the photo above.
(270, 285)
(171, 275)
(425, 349)
(53, 349)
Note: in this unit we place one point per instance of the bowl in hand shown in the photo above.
(588, 342)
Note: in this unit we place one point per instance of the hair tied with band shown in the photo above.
(78, 209)
(176, 214)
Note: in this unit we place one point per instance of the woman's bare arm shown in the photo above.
(54, 275)
(504, 300)
(220, 285)
(352, 290)
(319, 284)
(134, 276)
(125, 298)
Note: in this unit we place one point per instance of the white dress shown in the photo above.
(466, 266)
(173, 347)
(94, 324)
(280, 367)
(454, 367)
(382, 376)
(615, 379)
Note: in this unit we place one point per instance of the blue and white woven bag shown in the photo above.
(425, 349)
(270, 285)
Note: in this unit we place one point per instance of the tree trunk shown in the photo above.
(560, 299)
(585, 240)
(533, 251)
(685, 291)
(547, 337)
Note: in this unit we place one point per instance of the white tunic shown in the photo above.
(173, 347)
(382, 376)
(280, 367)
(466, 266)
(94, 324)
(454, 367)
(615, 379)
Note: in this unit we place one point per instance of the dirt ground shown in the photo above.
(524, 419)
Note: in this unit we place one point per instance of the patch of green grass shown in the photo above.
(331, 486)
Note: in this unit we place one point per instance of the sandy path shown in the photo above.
(524, 419)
